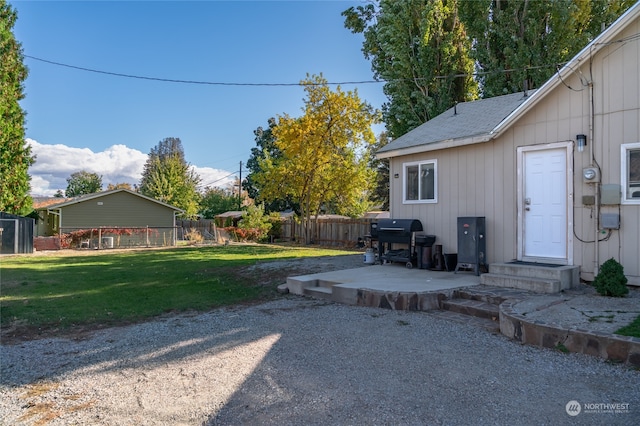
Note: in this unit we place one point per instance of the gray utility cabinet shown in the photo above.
(472, 246)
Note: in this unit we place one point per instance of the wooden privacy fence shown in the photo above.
(336, 232)
(331, 231)
(206, 227)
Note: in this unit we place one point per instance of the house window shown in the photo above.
(630, 162)
(420, 182)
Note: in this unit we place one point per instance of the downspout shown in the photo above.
(175, 230)
(597, 184)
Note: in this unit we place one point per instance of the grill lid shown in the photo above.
(399, 225)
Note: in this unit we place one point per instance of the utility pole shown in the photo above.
(240, 189)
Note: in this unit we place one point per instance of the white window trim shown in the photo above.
(624, 173)
(435, 182)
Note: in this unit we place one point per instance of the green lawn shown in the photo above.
(632, 329)
(56, 292)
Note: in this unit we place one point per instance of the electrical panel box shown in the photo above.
(471, 243)
(611, 194)
(610, 221)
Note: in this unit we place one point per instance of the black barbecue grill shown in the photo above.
(398, 231)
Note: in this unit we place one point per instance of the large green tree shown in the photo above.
(265, 146)
(83, 182)
(215, 201)
(15, 154)
(520, 41)
(420, 48)
(321, 161)
(433, 53)
(168, 178)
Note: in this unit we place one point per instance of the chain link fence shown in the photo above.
(115, 237)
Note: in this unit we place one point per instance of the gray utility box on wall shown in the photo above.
(610, 221)
(471, 243)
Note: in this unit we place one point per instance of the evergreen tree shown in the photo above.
(168, 178)
(15, 154)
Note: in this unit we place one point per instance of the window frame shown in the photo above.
(624, 172)
(405, 182)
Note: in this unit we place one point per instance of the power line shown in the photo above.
(171, 80)
(218, 180)
(218, 83)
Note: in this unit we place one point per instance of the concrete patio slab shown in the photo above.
(388, 278)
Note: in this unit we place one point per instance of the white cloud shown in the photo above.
(117, 164)
(214, 177)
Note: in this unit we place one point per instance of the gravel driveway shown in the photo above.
(297, 361)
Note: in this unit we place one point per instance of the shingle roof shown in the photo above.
(465, 120)
(64, 202)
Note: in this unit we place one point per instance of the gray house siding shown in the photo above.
(475, 180)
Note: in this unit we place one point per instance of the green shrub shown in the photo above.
(611, 281)
(276, 225)
(254, 225)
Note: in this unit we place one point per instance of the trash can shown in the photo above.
(424, 244)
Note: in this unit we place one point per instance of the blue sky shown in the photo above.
(80, 120)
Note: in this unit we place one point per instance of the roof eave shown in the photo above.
(445, 144)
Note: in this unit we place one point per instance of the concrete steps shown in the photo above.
(478, 305)
(324, 293)
(475, 308)
(539, 278)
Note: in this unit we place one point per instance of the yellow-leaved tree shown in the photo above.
(323, 162)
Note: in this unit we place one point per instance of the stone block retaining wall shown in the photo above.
(604, 345)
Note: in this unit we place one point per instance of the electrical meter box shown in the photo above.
(472, 244)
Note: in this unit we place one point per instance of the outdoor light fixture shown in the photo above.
(582, 142)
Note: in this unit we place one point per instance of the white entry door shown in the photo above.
(544, 200)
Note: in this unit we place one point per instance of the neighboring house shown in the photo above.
(517, 160)
(118, 208)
